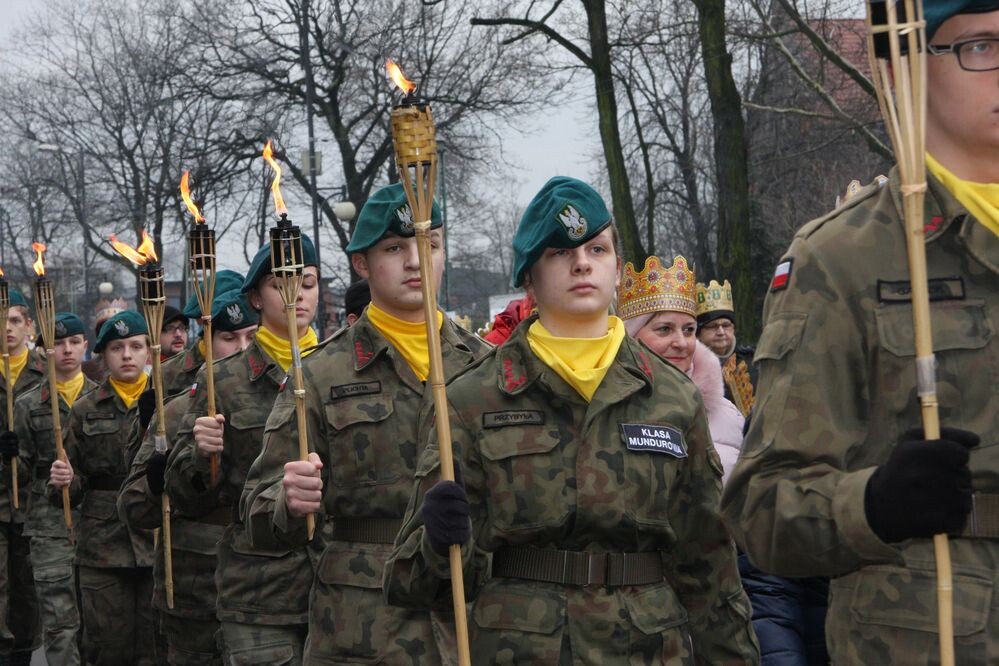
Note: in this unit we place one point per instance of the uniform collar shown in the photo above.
(257, 361)
(193, 359)
(44, 395)
(518, 367)
(105, 392)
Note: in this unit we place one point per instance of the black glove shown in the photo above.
(923, 489)
(155, 469)
(446, 514)
(8, 445)
(147, 407)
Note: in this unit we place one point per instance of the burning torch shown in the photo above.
(415, 142)
(45, 310)
(201, 251)
(4, 308)
(153, 299)
(288, 268)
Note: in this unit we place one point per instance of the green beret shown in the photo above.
(231, 312)
(67, 324)
(387, 210)
(261, 264)
(224, 281)
(17, 298)
(125, 324)
(565, 214)
(937, 11)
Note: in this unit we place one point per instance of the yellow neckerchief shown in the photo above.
(17, 364)
(70, 389)
(279, 349)
(981, 199)
(129, 392)
(201, 346)
(581, 362)
(409, 338)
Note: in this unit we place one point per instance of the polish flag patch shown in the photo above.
(782, 275)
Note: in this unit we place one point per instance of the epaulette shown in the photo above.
(856, 198)
(473, 365)
(336, 335)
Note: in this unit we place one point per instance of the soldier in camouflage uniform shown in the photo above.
(114, 561)
(180, 370)
(52, 552)
(190, 627)
(836, 477)
(589, 478)
(262, 593)
(18, 607)
(363, 398)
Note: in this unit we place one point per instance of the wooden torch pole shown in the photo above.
(4, 308)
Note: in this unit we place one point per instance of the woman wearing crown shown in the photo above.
(658, 307)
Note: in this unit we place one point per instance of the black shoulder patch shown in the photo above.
(941, 289)
(654, 439)
(516, 417)
(350, 390)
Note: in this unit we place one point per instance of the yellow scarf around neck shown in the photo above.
(129, 392)
(70, 389)
(581, 362)
(981, 199)
(409, 338)
(279, 349)
(17, 364)
(201, 347)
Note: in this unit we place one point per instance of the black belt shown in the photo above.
(983, 521)
(105, 482)
(567, 567)
(366, 530)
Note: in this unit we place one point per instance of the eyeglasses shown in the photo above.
(174, 328)
(974, 55)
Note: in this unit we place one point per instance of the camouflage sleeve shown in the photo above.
(262, 504)
(71, 444)
(790, 502)
(188, 475)
(25, 436)
(137, 506)
(415, 575)
(703, 569)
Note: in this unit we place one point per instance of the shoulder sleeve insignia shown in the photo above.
(782, 275)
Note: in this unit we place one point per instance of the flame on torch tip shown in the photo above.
(1, 271)
(185, 194)
(395, 73)
(279, 206)
(140, 256)
(39, 263)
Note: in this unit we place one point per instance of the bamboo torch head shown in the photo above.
(200, 250)
(4, 302)
(152, 295)
(414, 138)
(287, 258)
(44, 298)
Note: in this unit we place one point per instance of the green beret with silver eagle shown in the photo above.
(67, 324)
(125, 324)
(261, 264)
(232, 312)
(225, 280)
(16, 298)
(565, 214)
(385, 211)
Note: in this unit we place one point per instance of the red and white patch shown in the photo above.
(782, 275)
(193, 391)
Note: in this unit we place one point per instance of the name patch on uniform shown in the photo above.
(654, 439)
(350, 390)
(100, 416)
(941, 289)
(513, 418)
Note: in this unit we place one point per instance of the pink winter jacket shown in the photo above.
(724, 418)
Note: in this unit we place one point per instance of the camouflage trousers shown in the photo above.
(55, 583)
(262, 644)
(18, 603)
(191, 641)
(119, 623)
(887, 614)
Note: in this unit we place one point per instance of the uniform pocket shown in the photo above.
(358, 567)
(264, 655)
(365, 459)
(515, 623)
(526, 477)
(659, 634)
(100, 506)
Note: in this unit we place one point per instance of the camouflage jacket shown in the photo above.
(545, 469)
(180, 371)
(837, 389)
(33, 374)
(362, 403)
(194, 541)
(267, 586)
(36, 441)
(98, 447)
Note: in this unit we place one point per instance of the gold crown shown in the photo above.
(105, 309)
(714, 297)
(656, 289)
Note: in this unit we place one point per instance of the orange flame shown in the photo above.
(1, 271)
(395, 73)
(185, 194)
(39, 264)
(140, 256)
(279, 206)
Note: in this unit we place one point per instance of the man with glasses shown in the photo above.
(173, 338)
(836, 476)
(716, 329)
